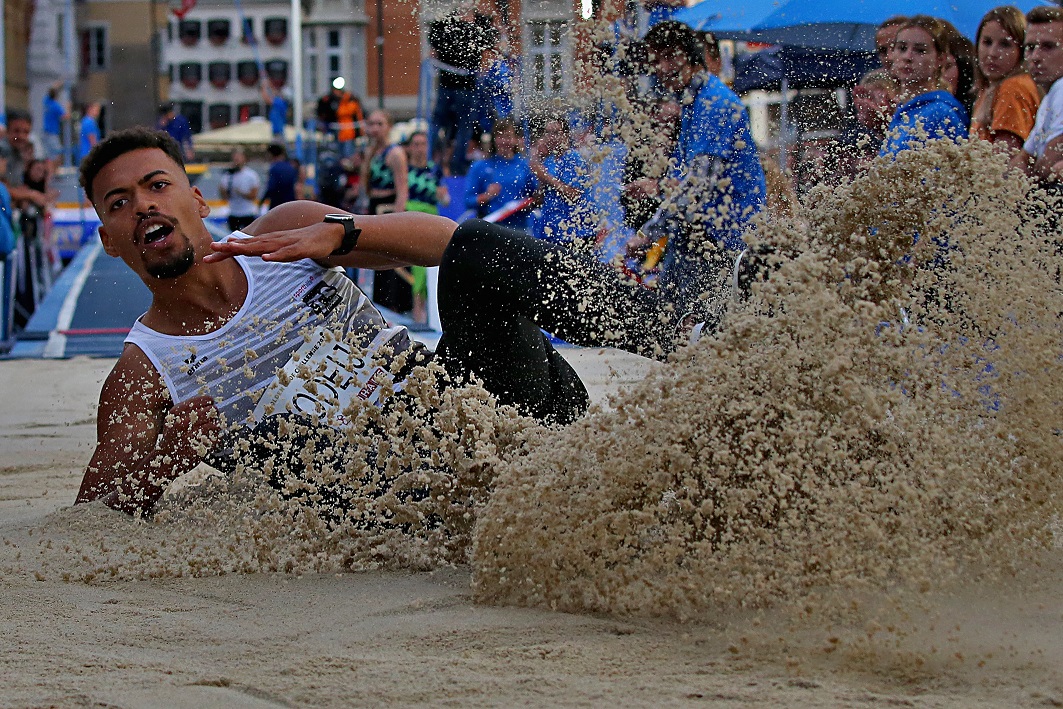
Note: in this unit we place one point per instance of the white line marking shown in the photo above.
(56, 347)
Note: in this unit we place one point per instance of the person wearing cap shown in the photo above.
(716, 183)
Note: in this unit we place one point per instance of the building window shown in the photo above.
(247, 111)
(219, 74)
(247, 35)
(334, 54)
(277, 71)
(247, 73)
(311, 76)
(94, 49)
(193, 111)
(218, 32)
(190, 31)
(330, 52)
(190, 75)
(546, 56)
(219, 115)
(276, 30)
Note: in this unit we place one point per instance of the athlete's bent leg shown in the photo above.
(498, 286)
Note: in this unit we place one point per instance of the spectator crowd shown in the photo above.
(659, 178)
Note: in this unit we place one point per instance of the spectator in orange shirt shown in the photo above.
(349, 118)
(1008, 98)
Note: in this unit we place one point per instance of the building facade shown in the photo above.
(134, 54)
(18, 18)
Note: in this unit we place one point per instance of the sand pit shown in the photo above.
(400, 638)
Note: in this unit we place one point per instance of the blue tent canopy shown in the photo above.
(801, 67)
(726, 16)
(798, 15)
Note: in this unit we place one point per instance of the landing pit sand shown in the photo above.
(395, 638)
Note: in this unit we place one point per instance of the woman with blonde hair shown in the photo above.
(1007, 97)
(385, 174)
(928, 110)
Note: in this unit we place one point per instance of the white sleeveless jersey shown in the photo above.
(305, 340)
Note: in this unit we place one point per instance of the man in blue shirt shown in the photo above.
(717, 182)
(89, 133)
(52, 128)
(178, 127)
(280, 183)
(278, 110)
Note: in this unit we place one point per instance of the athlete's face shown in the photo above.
(152, 218)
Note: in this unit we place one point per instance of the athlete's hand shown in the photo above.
(316, 241)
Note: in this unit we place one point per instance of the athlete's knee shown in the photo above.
(474, 250)
(472, 238)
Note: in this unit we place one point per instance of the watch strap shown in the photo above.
(350, 233)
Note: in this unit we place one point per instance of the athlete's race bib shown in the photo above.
(326, 376)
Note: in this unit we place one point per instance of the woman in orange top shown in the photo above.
(1008, 98)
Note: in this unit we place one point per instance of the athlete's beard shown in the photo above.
(177, 266)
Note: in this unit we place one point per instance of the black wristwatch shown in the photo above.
(350, 233)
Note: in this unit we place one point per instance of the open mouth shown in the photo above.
(155, 231)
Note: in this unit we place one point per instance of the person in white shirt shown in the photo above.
(241, 186)
(1041, 156)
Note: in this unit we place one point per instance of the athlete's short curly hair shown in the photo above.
(121, 142)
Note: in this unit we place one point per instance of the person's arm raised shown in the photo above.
(143, 444)
(295, 231)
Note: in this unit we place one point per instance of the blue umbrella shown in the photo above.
(964, 14)
(726, 16)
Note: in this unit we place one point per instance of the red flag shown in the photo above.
(186, 7)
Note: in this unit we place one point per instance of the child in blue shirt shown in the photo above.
(501, 178)
(563, 176)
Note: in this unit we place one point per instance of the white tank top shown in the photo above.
(305, 340)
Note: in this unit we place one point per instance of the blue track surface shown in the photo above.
(87, 312)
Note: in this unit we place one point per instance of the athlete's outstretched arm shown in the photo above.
(295, 231)
(142, 443)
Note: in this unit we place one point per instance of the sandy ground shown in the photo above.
(374, 638)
